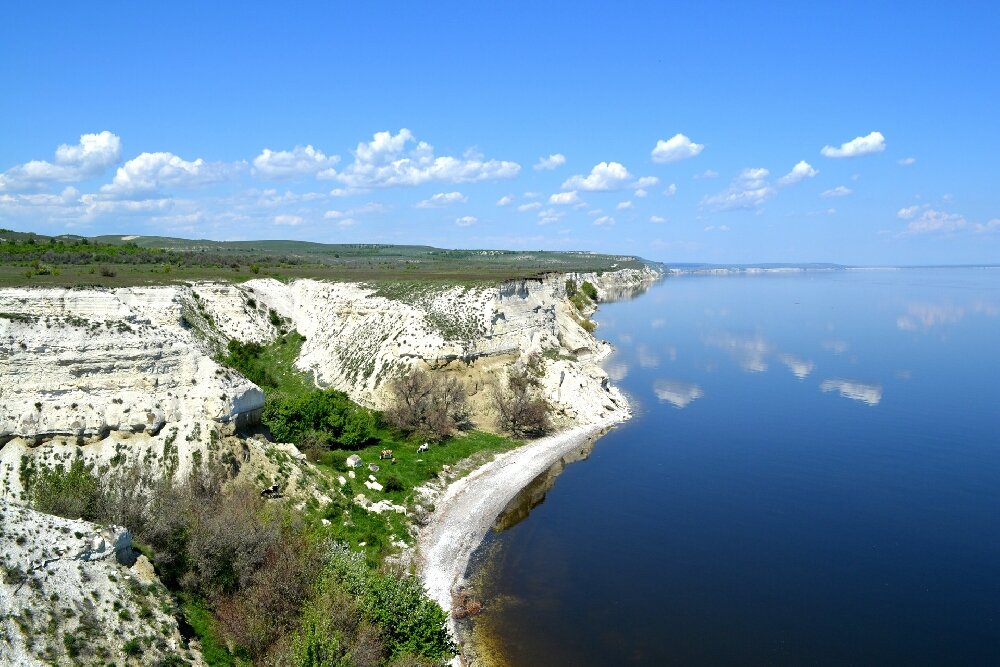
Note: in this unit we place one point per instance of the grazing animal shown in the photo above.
(385, 454)
(423, 448)
(271, 492)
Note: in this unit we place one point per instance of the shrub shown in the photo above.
(68, 492)
(392, 483)
(321, 417)
(430, 406)
(520, 410)
(246, 358)
(108, 272)
(588, 289)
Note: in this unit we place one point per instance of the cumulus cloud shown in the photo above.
(506, 200)
(300, 161)
(622, 205)
(906, 161)
(529, 206)
(991, 226)
(657, 219)
(707, 174)
(671, 190)
(393, 160)
(677, 147)
(91, 157)
(466, 220)
(153, 172)
(564, 198)
(641, 194)
(364, 209)
(604, 220)
(442, 199)
(931, 221)
(748, 190)
(839, 191)
(603, 177)
(866, 145)
(551, 162)
(645, 182)
(908, 212)
(550, 215)
(290, 220)
(799, 172)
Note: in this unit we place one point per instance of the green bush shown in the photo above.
(324, 414)
(411, 622)
(588, 289)
(68, 492)
(246, 358)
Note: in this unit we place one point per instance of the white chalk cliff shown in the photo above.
(129, 372)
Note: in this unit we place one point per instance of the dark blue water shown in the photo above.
(812, 477)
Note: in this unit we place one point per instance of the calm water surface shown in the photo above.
(812, 477)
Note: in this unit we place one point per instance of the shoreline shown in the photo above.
(469, 506)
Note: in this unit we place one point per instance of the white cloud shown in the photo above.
(94, 154)
(839, 191)
(906, 161)
(300, 161)
(466, 220)
(370, 207)
(603, 177)
(347, 222)
(671, 190)
(532, 195)
(657, 219)
(152, 172)
(506, 200)
(551, 162)
(677, 147)
(604, 220)
(442, 199)
(866, 145)
(908, 212)
(933, 221)
(550, 215)
(529, 207)
(564, 198)
(991, 226)
(290, 220)
(707, 174)
(646, 182)
(641, 194)
(748, 190)
(799, 172)
(622, 205)
(388, 161)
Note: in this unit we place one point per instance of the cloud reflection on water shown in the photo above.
(858, 391)
(800, 368)
(677, 393)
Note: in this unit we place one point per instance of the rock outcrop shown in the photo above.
(68, 595)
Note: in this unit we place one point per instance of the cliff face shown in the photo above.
(130, 371)
(66, 596)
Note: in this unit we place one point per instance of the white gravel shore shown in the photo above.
(467, 509)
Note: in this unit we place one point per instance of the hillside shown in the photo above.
(119, 261)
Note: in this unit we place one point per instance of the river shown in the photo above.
(812, 476)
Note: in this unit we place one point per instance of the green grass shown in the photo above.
(200, 619)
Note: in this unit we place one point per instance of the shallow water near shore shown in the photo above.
(812, 476)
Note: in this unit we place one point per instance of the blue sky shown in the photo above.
(725, 132)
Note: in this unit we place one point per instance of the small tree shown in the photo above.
(520, 409)
(431, 406)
